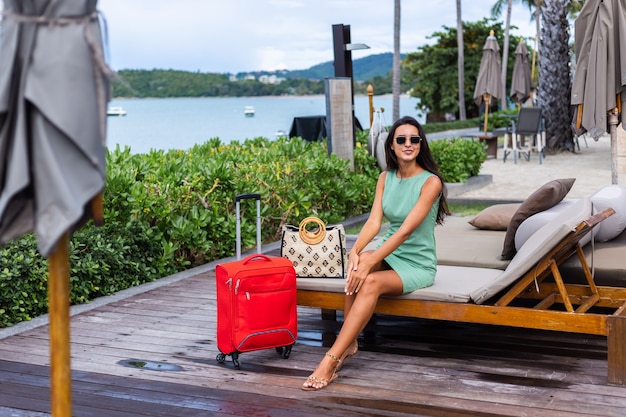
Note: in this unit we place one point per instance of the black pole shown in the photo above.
(343, 62)
(343, 57)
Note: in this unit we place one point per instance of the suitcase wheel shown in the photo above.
(221, 358)
(284, 351)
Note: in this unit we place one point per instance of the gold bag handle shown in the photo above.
(312, 238)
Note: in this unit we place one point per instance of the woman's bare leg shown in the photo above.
(361, 308)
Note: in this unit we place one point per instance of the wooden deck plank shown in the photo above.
(405, 367)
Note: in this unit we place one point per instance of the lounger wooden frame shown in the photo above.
(530, 303)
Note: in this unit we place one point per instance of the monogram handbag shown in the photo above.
(316, 252)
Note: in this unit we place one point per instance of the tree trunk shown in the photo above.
(534, 72)
(505, 53)
(396, 86)
(460, 61)
(554, 89)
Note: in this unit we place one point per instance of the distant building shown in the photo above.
(271, 79)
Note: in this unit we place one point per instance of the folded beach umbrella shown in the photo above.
(488, 82)
(521, 83)
(599, 85)
(53, 92)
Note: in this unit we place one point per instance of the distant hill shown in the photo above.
(363, 68)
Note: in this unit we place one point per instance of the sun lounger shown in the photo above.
(518, 296)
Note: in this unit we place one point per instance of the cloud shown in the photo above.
(247, 35)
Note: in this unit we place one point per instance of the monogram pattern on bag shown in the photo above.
(326, 259)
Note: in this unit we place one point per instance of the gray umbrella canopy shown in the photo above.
(53, 93)
(599, 85)
(488, 82)
(600, 75)
(521, 83)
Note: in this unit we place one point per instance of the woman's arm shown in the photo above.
(372, 226)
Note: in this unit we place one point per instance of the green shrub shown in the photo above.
(499, 119)
(458, 158)
(23, 283)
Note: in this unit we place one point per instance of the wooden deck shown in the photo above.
(153, 354)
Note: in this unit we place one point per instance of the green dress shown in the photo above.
(415, 260)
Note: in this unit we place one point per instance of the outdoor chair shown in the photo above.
(577, 143)
(528, 135)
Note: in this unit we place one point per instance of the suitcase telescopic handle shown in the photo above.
(247, 197)
(238, 199)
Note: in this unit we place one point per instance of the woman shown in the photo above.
(410, 195)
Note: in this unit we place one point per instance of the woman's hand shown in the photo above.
(355, 277)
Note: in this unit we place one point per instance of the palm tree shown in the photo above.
(555, 84)
(395, 84)
(460, 61)
(505, 52)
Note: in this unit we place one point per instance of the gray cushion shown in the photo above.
(537, 246)
(460, 244)
(605, 259)
(452, 284)
(536, 221)
(613, 196)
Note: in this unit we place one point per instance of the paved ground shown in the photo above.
(591, 166)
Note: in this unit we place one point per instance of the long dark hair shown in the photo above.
(424, 159)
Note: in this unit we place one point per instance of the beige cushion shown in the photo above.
(536, 247)
(452, 284)
(460, 244)
(496, 217)
(613, 196)
(605, 260)
(548, 195)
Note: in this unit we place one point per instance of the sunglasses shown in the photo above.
(400, 140)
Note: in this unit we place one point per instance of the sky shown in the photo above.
(231, 36)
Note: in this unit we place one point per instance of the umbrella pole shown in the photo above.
(487, 103)
(613, 121)
(58, 309)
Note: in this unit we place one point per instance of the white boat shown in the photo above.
(116, 111)
(249, 111)
(281, 134)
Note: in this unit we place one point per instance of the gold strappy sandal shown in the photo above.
(324, 382)
(347, 355)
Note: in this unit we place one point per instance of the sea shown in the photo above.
(180, 123)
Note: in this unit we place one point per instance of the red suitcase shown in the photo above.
(256, 300)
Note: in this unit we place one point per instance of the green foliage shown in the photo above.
(498, 119)
(171, 83)
(433, 127)
(366, 68)
(432, 71)
(373, 69)
(23, 284)
(458, 158)
(189, 196)
(464, 209)
(103, 260)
